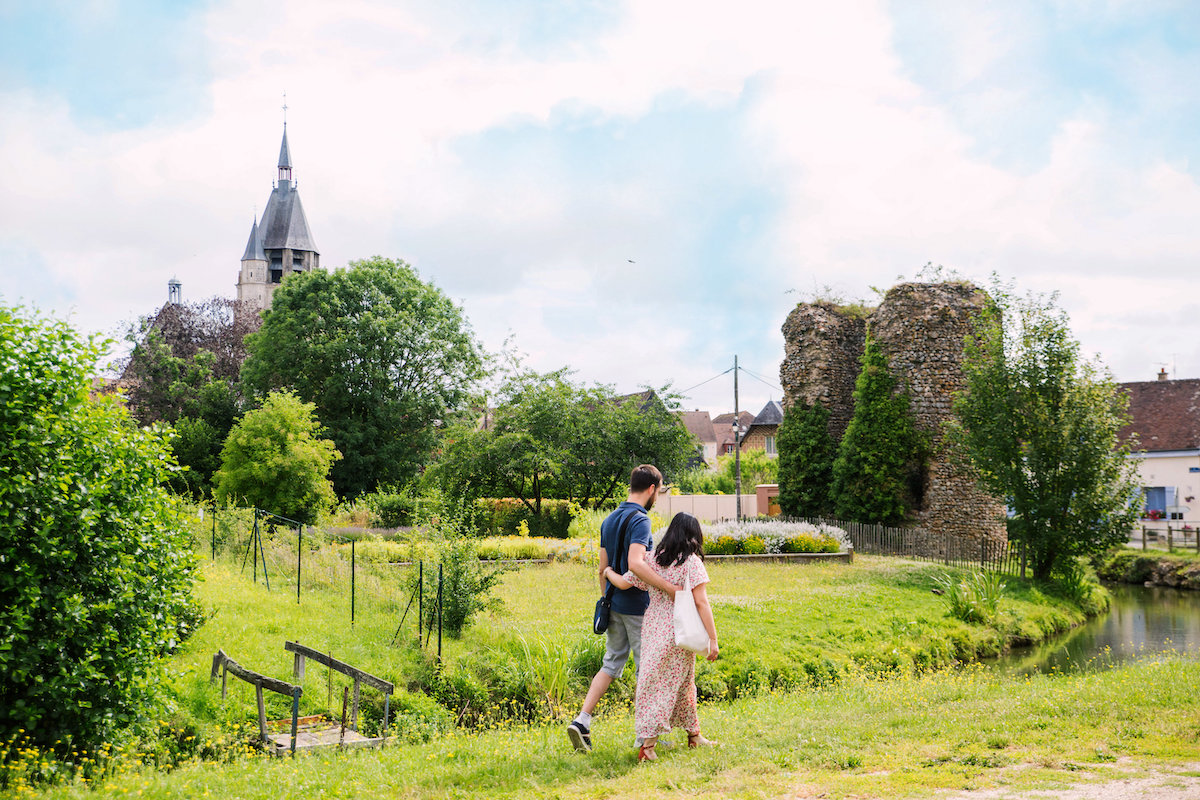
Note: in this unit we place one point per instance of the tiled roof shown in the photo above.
(699, 425)
(1165, 414)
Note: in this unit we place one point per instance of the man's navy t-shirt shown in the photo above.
(626, 601)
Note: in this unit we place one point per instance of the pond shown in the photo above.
(1143, 620)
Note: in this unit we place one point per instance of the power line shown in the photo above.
(760, 379)
(684, 391)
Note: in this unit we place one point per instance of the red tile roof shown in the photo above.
(1165, 414)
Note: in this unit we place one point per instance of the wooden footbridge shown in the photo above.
(307, 733)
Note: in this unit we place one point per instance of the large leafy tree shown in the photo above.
(879, 457)
(550, 437)
(384, 356)
(806, 456)
(97, 571)
(183, 370)
(275, 459)
(1040, 424)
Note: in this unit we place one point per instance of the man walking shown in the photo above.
(624, 635)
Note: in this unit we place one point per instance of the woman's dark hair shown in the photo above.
(683, 537)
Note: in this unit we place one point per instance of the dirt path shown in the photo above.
(1180, 782)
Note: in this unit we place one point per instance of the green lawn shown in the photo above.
(904, 737)
(821, 665)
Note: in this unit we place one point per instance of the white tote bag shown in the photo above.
(689, 630)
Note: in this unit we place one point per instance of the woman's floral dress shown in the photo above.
(666, 686)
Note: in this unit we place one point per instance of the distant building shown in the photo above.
(1165, 416)
(761, 433)
(280, 244)
(700, 425)
(724, 429)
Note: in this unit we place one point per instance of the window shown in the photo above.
(769, 445)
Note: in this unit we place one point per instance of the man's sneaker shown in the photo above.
(580, 736)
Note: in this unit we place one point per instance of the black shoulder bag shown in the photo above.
(604, 604)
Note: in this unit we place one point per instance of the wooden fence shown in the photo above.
(943, 548)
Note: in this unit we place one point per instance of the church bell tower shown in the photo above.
(280, 243)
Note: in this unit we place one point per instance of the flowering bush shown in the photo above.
(730, 538)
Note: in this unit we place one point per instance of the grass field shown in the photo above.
(822, 665)
(903, 737)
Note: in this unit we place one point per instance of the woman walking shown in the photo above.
(666, 687)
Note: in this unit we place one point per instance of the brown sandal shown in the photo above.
(646, 752)
(696, 740)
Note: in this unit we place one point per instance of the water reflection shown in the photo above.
(1143, 621)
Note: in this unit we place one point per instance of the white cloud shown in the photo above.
(871, 175)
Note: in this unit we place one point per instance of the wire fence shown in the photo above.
(296, 559)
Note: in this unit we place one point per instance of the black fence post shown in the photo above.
(299, 551)
(351, 581)
(214, 532)
(439, 613)
(254, 544)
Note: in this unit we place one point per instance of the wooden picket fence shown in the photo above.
(921, 545)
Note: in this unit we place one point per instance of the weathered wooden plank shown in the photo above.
(250, 676)
(340, 666)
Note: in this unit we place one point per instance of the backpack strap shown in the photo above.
(619, 551)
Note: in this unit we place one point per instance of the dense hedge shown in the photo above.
(1158, 569)
(503, 516)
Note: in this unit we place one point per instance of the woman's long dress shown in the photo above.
(666, 687)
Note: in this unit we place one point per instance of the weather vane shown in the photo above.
(285, 109)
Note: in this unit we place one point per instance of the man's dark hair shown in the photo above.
(643, 477)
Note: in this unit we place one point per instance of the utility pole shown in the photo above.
(737, 443)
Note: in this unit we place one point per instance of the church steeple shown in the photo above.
(280, 242)
(285, 159)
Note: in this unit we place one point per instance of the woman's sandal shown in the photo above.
(646, 752)
(696, 740)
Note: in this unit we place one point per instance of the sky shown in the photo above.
(636, 190)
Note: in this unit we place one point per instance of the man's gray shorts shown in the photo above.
(623, 637)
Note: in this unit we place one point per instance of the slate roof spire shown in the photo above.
(254, 247)
(285, 158)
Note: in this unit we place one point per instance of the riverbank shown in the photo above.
(972, 732)
(1126, 565)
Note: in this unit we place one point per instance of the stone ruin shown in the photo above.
(920, 327)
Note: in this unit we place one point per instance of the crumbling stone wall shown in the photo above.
(822, 345)
(920, 327)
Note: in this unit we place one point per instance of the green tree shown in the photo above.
(97, 570)
(879, 457)
(382, 354)
(1041, 426)
(182, 391)
(806, 456)
(552, 438)
(274, 459)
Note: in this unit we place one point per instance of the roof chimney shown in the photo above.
(1162, 374)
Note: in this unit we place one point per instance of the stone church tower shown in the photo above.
(280, 243)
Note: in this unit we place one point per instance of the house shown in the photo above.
(723, 428)
(762, 431)
(1165, 417)
(700, 425)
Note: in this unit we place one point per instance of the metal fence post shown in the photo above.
(214, 532)
(299, 551)
(351, 581)
(439, 613)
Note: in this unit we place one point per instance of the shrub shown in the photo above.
(754, 546)
(466, 585)
(503, 516)
(97, 566)
(877, 473)
(730, 538)
(810, 543)
(392, 509)
(721, 546)
(806, 455)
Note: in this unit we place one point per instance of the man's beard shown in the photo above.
(650, 501)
